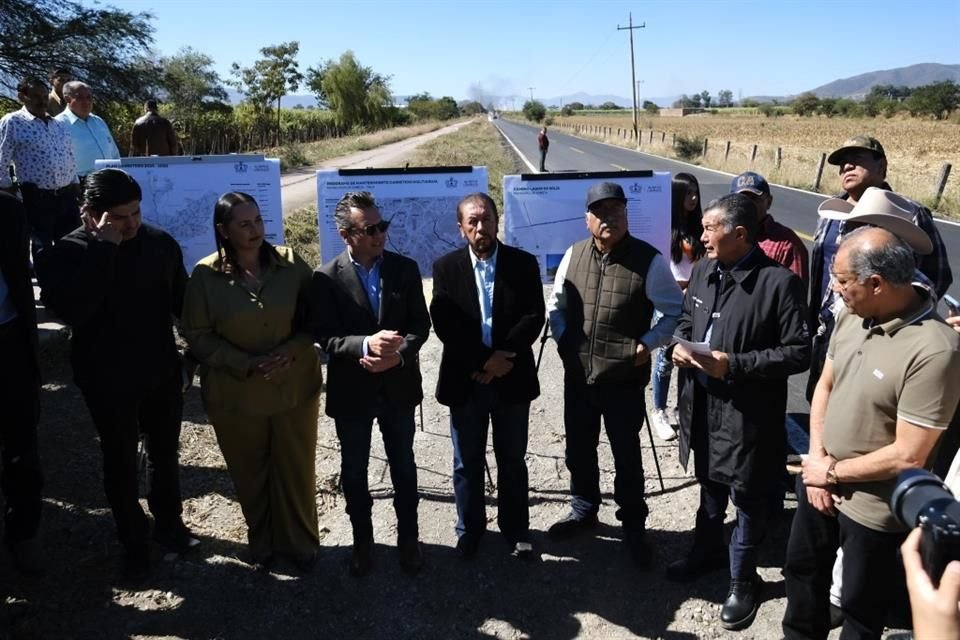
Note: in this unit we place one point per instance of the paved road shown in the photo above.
(792, 207)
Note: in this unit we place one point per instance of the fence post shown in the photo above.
(941, 183)
(673, 142)
(726, 151)
(663, 137)
(704, 154)
(753, 154)
(816, 179)
(650, 138)
(779, 156)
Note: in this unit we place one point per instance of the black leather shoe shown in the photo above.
(411, 555)
(361, 560)
(740, 607)
(175, 537)
(467, 545)
(571, 526)
(699, 562)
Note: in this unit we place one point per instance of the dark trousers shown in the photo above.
(468, 431)
(21, 479)
(622, 409)
(753, 505)
(397, 427)
(49, 215)
(120, 419)
(870, 570)
(543, 159)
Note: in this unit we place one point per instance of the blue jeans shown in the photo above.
(397, 428)
(468, 431)
(662, 369)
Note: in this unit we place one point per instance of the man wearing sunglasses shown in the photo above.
(367, 311)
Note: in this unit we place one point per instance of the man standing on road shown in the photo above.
(368, 312)
(42, 151)
(92, 140)
(55, 101)
(488, 310)
(152, 134)
(733, 398)
(119, 284)
(888, 390)
(779, 243)
(543, 143)
(19, 391)
(605, 293)
(862, 164)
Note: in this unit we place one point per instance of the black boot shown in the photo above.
(740, 607)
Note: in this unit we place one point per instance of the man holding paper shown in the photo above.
(751, 312)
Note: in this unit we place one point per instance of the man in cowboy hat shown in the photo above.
(862, 164)
(880, 405)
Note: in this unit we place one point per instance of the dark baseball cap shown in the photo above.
(752, 182)
(856, 143)
(605, 191)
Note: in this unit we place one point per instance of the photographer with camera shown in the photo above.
(936, 610)
(889, 364)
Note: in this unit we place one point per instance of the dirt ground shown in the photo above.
(584, 588)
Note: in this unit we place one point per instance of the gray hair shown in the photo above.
(737, 211)
(891, 258)
(351, 200)
(72, 88)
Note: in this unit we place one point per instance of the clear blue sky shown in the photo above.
(452, 47)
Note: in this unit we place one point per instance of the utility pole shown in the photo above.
(639, 93)
(531, 93)
(633, 72)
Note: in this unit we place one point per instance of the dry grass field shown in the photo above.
(916, 149)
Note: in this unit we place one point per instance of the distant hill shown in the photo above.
(913, 76)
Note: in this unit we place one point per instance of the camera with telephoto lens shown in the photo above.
(922, 499)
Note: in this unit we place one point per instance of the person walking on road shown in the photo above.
(543, 142)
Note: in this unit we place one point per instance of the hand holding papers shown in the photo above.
(700, 348)
(698, 355)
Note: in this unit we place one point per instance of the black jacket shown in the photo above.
(341, 317)
(15, 266)
(120, 301)
(762, 327)
(518, 317)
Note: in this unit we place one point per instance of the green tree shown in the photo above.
(938, 100)
(805, 104)
(188, 80)
(103, 46)
(609, 106)
(705, 98)
(575, 106)
(534, 110)
(651, 108)
(725, 98)
(271, 77)
(567, 110)
(356, 94)
(471, 107)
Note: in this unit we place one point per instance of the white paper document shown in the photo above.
(700, 348)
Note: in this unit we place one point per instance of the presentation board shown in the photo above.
(419, 202)
(545, 213)
(179, 193)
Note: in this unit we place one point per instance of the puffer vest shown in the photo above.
(608, 311)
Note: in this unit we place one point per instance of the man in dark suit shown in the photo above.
(368, 313)
(487, 310)
(19, 391)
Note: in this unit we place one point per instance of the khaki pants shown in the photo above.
(272, 461)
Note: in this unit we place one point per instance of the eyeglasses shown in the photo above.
(843, 284)
(372, 229)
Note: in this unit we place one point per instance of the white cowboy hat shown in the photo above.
(881, 208)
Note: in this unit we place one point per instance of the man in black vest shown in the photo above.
(606, 291)
(750, 312)
(488, 310)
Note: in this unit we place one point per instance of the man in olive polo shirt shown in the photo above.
(885, 395)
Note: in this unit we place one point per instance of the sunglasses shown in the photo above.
(372, 229)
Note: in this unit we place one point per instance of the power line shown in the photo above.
(633, 72)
